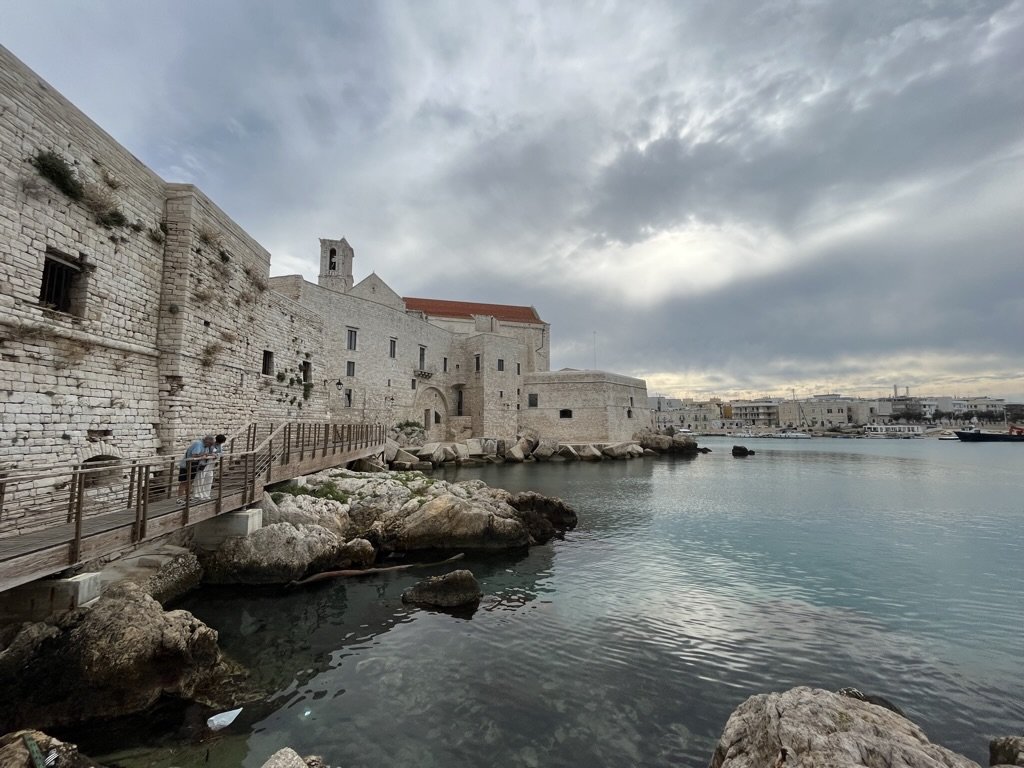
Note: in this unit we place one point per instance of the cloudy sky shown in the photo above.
(720, 196)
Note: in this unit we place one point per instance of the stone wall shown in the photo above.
(74, 379)
(167, 309)
(585, 406)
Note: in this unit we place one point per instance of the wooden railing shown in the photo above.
(63, 507)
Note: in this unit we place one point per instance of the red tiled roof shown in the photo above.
(466, 309)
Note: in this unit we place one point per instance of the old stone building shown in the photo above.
(135, 315)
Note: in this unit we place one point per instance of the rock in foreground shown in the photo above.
(454, 589)
(14, 753)
(819, 728)
(114, 658)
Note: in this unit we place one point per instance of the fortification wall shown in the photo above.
(85, 378)
(585, 406)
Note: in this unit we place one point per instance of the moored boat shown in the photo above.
(1015, 434)
(894, 431)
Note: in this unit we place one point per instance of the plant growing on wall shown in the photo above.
(103, 205)
(59, 172)
(209, 236)
(222, 270)
(210, 352)
(257, 280)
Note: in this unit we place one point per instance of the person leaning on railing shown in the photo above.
(204, 482)
(192, 463)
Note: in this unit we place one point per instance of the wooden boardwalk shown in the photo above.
(56, 519)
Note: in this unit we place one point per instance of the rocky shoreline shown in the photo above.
(407, 449)
(126, 652)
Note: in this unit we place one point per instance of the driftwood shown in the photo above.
(324, 575)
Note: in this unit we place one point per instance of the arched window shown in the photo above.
(101, 471)
(629, 413)
(565, 413)
(333, 263)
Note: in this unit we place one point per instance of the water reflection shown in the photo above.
(688, 586)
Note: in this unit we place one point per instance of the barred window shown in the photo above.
(63, 285)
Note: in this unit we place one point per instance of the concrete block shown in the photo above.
(41, 600)
(211, 533)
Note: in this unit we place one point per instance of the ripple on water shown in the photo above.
(688, 586)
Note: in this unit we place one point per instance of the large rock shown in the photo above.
(515, 454)
(309, 510)
(568, 452)
(589, 453)
(819, 728)
(543, 516)
(546, 448)
(177, 576)
(114, 658)
(449, 591)
(616, 451)
(684, 446)
(1008, 750)
(276, 554)
(449, 522)
(404, 456)
(14, 753)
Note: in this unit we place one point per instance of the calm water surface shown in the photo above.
(893, 566)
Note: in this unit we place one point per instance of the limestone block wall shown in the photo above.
(585, 406)
(294, 335)
(381, 386)
(218, 318)
(74, 380)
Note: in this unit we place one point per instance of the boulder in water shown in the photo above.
(452, 590)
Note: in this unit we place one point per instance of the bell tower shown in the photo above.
(336, 265)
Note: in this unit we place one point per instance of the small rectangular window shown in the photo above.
(519, 370)
(350, 368)
(631, 402)
(444, 364)
(501, 394)
(414, 383)
(476, 359)
(307, 372)
(268, 363)
(423, 357)
(353, 337)
(531, 400)
(62, 287)
(393, 348)
(501, 364)
(348, 398)
(565, 413)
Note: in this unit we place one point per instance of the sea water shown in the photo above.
(896, 567)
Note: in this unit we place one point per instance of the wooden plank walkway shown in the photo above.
(69, 528)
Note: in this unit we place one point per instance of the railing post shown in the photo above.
(72, 490)
(131, 486)
(302, 441)
(172, 479)
(76, 547)
(270, 457)
(188, 491)
(220, 483)
(247, 489)
(145, 505)
(138, 502)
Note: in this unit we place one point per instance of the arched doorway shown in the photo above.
(432, 408)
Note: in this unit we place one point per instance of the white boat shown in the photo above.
(894, 431)
(948, 434)
(792, 435)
